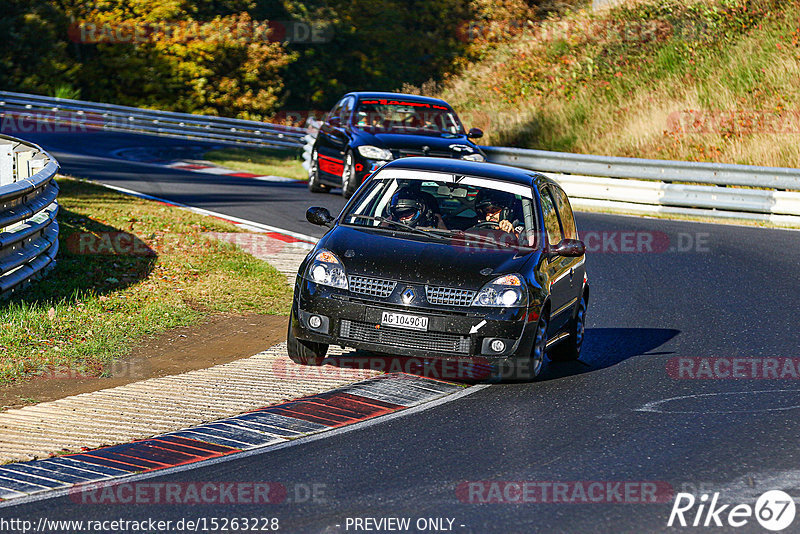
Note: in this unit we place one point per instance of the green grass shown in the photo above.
(91, 309)
(596, 89)
(261, 161)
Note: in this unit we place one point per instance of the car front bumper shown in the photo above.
(335, 317)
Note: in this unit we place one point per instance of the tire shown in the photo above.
(533, 367)
(314, 184)
(349, 182)
(570, 348)
(304, 352)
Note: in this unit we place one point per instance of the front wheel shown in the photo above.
(533, 367)
(570, 348)
(304, 352)
(349, 181)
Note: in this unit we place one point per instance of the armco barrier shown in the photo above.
(629, 184)
(649, 186)
(79, 115)
(28, 209)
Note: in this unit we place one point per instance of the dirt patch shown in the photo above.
(220, 339)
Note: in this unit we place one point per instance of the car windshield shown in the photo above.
(472, 210)
(381, 115)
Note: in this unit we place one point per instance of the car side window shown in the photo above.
(551, 224)
(565, 213)
(336, 111)
(345, 111)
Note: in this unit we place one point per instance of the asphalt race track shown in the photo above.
(703, 291)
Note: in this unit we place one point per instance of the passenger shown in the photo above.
(494, 209)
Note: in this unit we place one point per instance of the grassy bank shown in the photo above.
(711, 80)
(261, 161)
(94, 306)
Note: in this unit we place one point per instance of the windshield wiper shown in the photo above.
(413, 229)
(461, 234)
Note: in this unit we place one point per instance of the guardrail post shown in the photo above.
(6, 164)
(23, 164)
(36, 164)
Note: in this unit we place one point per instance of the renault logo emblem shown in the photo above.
(408, 296)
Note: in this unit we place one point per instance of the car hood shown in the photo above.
(408, 259)
(413, 141)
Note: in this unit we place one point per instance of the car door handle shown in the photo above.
(571, 273)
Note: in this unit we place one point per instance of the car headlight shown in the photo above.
(327, 270)
(506, 292)
(473, 157)
(373, 152)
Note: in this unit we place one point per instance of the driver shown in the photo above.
(409, 207)
(493, 206)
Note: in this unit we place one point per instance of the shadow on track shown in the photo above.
(605, 347)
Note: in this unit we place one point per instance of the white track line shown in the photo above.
(253, 225)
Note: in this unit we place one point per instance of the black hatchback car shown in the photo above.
(436, 258)
(365, 130)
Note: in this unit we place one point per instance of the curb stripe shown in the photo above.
(102, 471)
(106, 463)
(31, 479)
(215, 450)
(270, 426)
(112, 453)
(52, 474)
(211, 439)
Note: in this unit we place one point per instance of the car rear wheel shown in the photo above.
(304, 352)
(349, 182)
(570, 348)
(314, 184)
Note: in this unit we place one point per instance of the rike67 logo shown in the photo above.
(774, 510)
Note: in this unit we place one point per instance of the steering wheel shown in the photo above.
(488, 224)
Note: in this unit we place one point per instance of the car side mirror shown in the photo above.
(319, 216)
(570, 248)
(475, 133)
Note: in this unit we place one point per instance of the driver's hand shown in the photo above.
(506, 226)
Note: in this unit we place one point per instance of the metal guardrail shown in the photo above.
(647, 169)
(80, 115)
(628, 184)
(28, 209)
(648, 186)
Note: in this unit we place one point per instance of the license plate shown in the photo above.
(401, 320)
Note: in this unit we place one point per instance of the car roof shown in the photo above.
(471, 168)
(416, 98)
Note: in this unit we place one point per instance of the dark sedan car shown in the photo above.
(436, 258)
(365, 130)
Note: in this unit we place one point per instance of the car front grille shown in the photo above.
(409, 152)
(449, 296)
(374, 287)
(398, 337)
